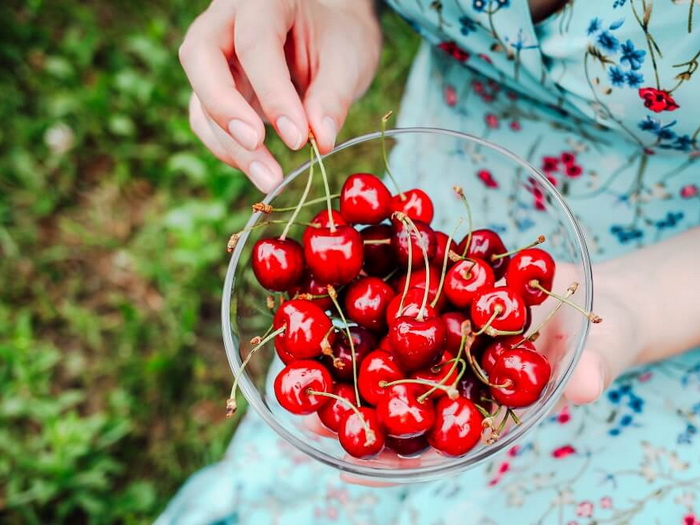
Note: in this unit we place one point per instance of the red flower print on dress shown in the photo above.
(491, 120)
(515, 125)
(562, 452)
(689, 191)
(690, 519)
(454, 51)
(450, 95)
(606, 502)
(568, 158)
(573, 171)
(486, 177)
(550, 164)
(585, 509)
(657, 100)
(564, 415)
(485, 58)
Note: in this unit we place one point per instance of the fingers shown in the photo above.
(203, 56)
(260, 34)
(260, 166)
(589, 379)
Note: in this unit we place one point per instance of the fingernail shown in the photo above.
(330, 130)
(261, 176)
(244, 134)
(289, 132)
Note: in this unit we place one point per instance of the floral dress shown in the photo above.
(604, 98)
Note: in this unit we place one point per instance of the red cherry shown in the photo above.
(366, 301)
(321, 220)
(333, 411)
(364, 199)
(466, 279)
(278, 264)
(441, 372)
(417, 343)
(334, 257)
(471, 387)
(376, 367)
(512, 312)
(403, 233)
(418, 281)
(407, 447)
(414, 203)
(526, 266)
(483, 245)
(525, 371)
(442, 250)
(352, 433)
(493, 351)
(293, 383)
(340, 362)
(453, 333)
(385, 344)
(379, 258)
(309, 285)
(411, 306)
(285, 356)
(306, 327)
(457, 427)
(401, 414)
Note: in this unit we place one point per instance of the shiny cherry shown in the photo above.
(364, 199)
(306, 327)
(414, 203)
(453, 322)
(377, 367)
(466, 279)
(293, 383)
(417, 343)
(352, 433)
(510, 309)
(366, 301)
(340, 361)
(441, 371)
(278, 264)
(309, 285)
(418, 278)
(457, 428)
(284, 356)
(379, 259)
(407, 447)
(334, 257)
(321, 220)
(401, 414)
(471, 387)
(484, 244)
(526, 374)
(333, 411)
(403, 233)
(442, 250)
(532, 264)
(411, 306)
(493, 351)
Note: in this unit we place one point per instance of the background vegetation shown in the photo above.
(113, 225)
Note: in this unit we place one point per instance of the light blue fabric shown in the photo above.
(607, 106)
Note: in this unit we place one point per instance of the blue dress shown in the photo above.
(603, 97)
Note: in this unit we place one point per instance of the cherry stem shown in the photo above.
(593, 318)
(334, 297)
(407, 284)
(302, 200)
(385, 118)
(233, 240)
(450, 391)
(571, 290)
(231, 401)
(460, 193)
(377, 241)
(444, 263)
(467, 339)
(407, 220)
(496, 312)
(267, 208)
(481, 374)
(331, 222)
(537, 242)
(390, 274)
(515, 418)
(369, 434)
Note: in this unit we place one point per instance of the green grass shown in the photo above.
(112, 256)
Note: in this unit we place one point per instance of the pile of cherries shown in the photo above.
(396, 335)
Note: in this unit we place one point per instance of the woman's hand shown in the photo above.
(297, 64)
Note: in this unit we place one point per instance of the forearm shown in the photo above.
(662, 283)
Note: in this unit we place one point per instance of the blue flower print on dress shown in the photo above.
(633, 57)
(467, 25)
(607, 41)
(594, 26)
(617, 76)
(634, 79)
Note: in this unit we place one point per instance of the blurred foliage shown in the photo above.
(113, 225)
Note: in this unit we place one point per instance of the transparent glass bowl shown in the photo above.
(244, 312)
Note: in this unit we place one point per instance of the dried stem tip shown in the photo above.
(458, 190)
(263, 208)
(230, 407)
(232, 241)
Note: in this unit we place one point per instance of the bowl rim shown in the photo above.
(363, 468)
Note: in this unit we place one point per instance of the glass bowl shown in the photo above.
(412, 159)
